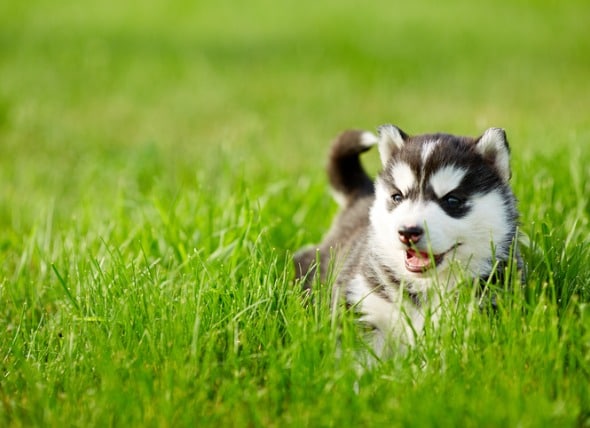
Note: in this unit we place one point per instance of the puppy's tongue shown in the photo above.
(417, 261)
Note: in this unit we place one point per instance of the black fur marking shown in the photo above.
(414, 297)
(481, 177)
(374, 276)
(459, 152)
(455, 204)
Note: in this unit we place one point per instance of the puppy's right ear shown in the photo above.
(493, 146)
(391, 139)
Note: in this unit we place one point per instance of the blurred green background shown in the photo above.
(272, 82)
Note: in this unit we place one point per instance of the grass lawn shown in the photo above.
(161, 161)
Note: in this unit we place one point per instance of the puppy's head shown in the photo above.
(442, 200)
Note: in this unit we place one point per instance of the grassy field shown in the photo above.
(161, 161)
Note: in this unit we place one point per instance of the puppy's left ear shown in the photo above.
(493, 146)
(391, 139)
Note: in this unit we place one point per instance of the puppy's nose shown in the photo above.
(410, 235)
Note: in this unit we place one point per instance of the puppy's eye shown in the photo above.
(452, 201)
(397, 198)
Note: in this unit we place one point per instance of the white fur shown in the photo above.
(339, 197)
(466, 241)
(368, 139)
(446, 179)
(403, 177)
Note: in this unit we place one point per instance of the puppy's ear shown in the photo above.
(391, 139)
(493, 146)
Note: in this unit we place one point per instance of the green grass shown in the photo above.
(160, 162)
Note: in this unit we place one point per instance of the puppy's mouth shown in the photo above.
(420, 261)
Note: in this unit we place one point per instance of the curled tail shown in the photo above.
(345, 171)
(349, 182)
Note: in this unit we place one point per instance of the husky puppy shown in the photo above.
(440, 211)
